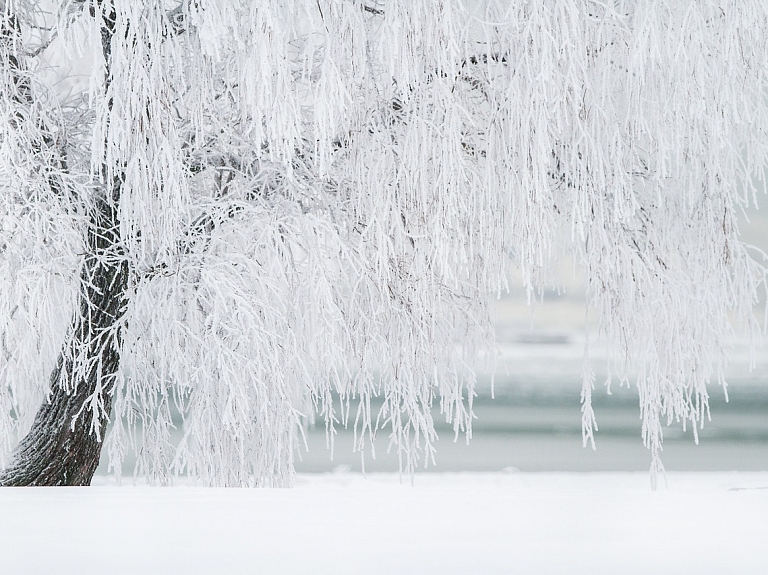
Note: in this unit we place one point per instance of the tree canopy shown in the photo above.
(250, 208)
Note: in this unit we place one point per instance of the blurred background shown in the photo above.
(533, 422)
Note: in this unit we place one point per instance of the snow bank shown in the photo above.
(443, 524)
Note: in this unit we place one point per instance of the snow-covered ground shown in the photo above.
(475, 523)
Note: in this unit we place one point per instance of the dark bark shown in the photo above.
(64, 444)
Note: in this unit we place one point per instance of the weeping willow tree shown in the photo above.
(252, 208)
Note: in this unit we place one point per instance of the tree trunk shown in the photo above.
(64, 444)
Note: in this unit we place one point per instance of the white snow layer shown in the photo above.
(476, 523)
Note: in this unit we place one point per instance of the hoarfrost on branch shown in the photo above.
(317, 199)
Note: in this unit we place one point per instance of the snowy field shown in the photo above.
(475, 523)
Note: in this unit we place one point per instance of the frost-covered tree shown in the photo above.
(250, 208)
